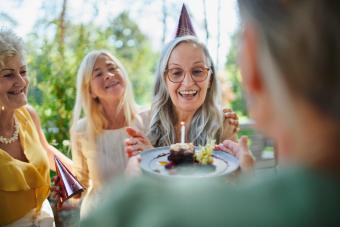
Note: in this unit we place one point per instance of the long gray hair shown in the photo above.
(208, 119)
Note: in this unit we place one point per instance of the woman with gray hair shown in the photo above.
(25, 155)
(289, 65)
(186, 90)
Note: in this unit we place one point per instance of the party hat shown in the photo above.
(69, 184)
(184, 26)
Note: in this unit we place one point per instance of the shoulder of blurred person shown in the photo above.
(289, 199)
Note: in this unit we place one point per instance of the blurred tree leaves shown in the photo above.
(238, 103)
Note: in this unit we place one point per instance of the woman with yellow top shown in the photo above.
(25, 155)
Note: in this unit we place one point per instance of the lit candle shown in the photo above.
(182, 132)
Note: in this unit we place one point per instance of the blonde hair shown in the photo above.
(95, 121)
(207, 120)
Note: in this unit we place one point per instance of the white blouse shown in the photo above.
(95, 167)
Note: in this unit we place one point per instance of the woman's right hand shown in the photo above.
(136, 143)
(56, 194)
(56, 191)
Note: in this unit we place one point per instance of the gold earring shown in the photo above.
(2, 108)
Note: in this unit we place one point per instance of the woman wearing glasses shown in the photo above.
(186, 89)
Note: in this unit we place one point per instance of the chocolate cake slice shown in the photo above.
(182, 153)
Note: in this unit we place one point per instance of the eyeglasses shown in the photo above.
(177, 75)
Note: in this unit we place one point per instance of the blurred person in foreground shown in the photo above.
(25, 155)
(289, 64)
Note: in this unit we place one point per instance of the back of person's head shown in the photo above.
(10, 45)
(91, 107)
(301, 41)
(207, 120)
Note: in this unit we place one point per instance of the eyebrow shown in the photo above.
(7, 69)
(10, 69)
(196, 62)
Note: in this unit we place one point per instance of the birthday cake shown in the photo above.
(184, 153)
(181, 153)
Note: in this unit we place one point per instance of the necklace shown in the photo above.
(14, 137)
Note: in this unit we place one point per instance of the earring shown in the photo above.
(2, 108)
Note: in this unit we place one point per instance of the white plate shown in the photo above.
(153, 164)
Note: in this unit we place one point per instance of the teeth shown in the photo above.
(188, 92)
(16, 92)
(111, 85)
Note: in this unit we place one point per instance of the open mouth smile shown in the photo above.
(16, 92)
(112, 84)
(188, 93)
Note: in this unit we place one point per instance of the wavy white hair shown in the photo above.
(208, 119)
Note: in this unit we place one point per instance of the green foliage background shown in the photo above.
(53, 66)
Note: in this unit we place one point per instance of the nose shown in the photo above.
(187, 79)
(20, 80)
(109, 74)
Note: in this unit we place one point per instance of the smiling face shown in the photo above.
(107, 81)
(187, 96)
(13, 83)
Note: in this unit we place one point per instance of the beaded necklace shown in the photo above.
(14, 137)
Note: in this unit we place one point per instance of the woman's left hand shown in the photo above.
(232, 118)
(241, 151)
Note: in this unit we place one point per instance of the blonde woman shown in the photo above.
(104, 107)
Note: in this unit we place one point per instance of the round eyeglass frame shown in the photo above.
(206, 68)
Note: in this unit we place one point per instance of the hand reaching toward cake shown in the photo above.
(241, 151)
(136, 143)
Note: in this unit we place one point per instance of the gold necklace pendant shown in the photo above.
(14, 137)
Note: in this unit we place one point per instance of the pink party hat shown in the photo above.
(184, 26)
(69, 184)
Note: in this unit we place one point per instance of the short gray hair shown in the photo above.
(10, 45)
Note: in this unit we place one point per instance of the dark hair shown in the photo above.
(303, 39)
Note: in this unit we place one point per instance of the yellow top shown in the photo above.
(23, 185)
